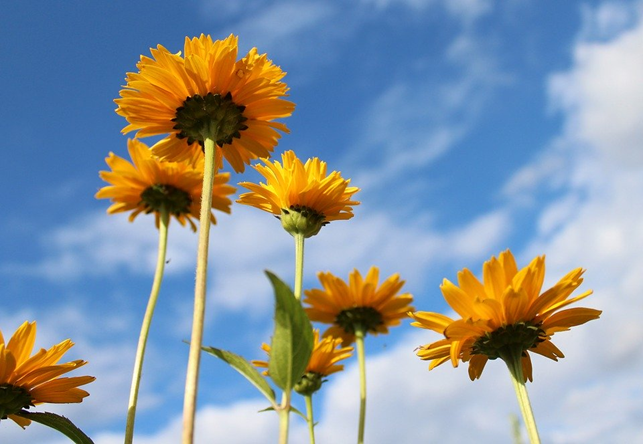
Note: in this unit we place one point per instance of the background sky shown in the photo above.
(471, 126)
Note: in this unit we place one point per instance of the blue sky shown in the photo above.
(471, 126)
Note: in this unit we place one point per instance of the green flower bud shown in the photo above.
(309, 383)
(302, 220)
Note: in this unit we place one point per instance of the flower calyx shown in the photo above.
(300, 219)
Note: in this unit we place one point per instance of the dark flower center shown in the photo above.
(213, 115)
(174, 200)
(522, 336)
(366, 318)
(13, 399)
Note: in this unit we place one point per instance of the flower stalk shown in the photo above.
(194, 358)
(359, 341)
(513, 360)
(145, 326)
(284, 417)
(299, 264)
(310, 417)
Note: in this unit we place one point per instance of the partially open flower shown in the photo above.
(302, 195)
(26, 380)
(323, 362)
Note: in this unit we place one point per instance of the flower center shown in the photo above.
(522, 336)
(299, 219)
(213, 115)
(13, 399)
(174, 200)
(367, 318)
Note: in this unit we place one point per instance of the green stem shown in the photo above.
(284, 417)
(299, 264)
(359, 341)
(310, 418)
(194, 358)
(514, 362)
(145, 327)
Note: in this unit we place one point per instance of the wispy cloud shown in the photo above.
(466, 10)
(419, 118)
(100, 245)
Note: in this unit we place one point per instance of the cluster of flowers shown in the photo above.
(212, 107)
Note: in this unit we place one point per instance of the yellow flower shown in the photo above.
(358, 304)
(302, 195)
(504, 314)
(148, 183)
(186, 96)
(27, 381)
(323, 362)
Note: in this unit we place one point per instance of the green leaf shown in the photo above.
(292, 341)
(292, 409)
(60, 423)
(246, 369)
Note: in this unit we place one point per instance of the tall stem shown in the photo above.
(194, 358)
(299, 264)
(284, 417)
(514, 363)
(310, 418)
(361, 358)
(145, 326)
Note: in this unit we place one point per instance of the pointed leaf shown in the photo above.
(292, 409)
(292, 341)
(57, 422)
(246, 369)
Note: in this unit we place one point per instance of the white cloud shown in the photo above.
(407, 403)
(238, 423)
(602, 95)
(99, 245)
(251, 241)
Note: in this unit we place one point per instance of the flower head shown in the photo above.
(147, 184)
(360, 304)
(27, 380)
(207, 93)
(503, 315)
(323, 362)
(302, 195)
